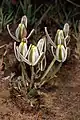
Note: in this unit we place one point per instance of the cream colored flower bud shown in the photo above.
(24, 20)
(66, 29)
(33, 54)
(23, 48)
(21, 32)
(59, 38)
(61, 53)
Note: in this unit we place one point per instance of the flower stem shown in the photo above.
(23, 76)
(32, 77)
(48, 69)
(54, 72)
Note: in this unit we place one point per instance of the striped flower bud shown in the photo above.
(34, 57)
(59, 38)
(23, 48)
(21, 32)
(33, 54)
(61, 53)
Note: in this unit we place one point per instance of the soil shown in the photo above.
(59, 102)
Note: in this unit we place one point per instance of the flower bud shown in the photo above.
(33, 54)
(24, 20)
(61, 53)
(59, 38)
(66, 29)
(21, 32)
(23, 48)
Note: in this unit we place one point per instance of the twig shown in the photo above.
(73, 3)
(75, 37)
(2, 46)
